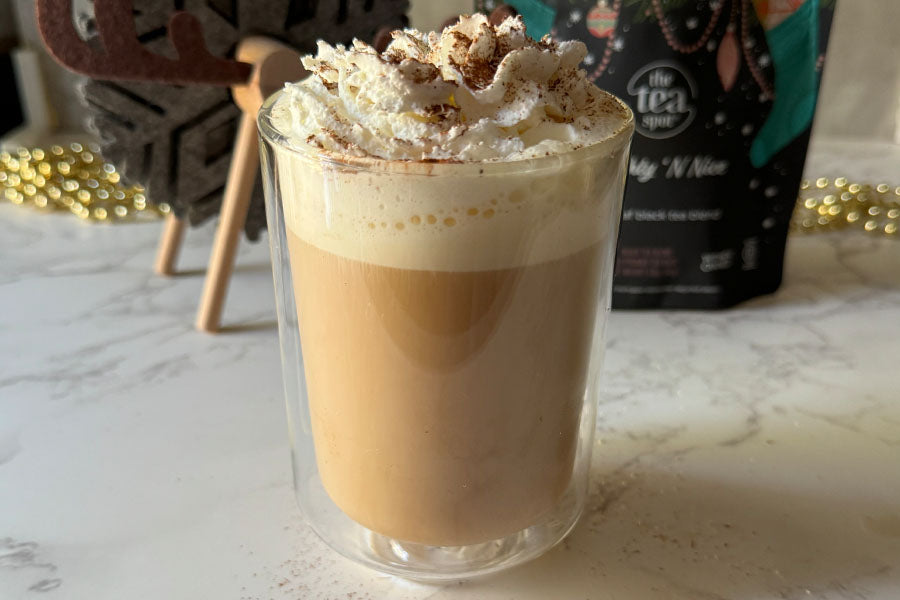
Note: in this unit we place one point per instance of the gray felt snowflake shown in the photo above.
(177, 140)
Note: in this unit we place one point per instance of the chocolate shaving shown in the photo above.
(477, 74)
(442, 111)
(424, 73)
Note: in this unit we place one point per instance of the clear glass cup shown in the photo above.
(441, 331)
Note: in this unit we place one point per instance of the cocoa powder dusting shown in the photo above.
(439, 77)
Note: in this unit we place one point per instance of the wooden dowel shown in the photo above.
(274, 64)
(169, 245)
(235, 203)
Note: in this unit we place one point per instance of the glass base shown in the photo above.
(423, 563)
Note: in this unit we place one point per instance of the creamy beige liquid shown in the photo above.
(445, 405)
(450, 209)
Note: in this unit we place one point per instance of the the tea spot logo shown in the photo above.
(663, 96)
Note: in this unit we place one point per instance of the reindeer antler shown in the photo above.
(123, 57)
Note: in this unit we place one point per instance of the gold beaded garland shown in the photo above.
(827, 205)
(76, 179)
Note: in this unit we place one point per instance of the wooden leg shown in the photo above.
(169, 245)
(235, 203)
(274, 64)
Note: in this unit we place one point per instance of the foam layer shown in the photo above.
(457, 217)
(475, 92)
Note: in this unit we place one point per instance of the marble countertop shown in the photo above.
(752, 454)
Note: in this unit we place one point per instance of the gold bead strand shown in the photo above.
(826, 205)
(79, 180)
(74, 178)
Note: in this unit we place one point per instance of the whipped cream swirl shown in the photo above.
(474, 92)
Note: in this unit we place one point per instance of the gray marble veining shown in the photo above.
(752, 454)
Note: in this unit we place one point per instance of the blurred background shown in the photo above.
(860, 96)
(171, 145)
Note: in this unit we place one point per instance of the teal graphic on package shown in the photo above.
(538, 16)
(794, 46)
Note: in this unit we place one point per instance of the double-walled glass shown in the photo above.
(442, 330)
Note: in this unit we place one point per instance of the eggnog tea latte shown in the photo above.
(450, 207)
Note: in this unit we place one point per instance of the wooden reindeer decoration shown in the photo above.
(262, 65)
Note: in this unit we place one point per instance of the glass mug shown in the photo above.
(441, 331)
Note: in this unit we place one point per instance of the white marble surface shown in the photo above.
(751, 454)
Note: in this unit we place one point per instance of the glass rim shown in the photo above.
(605, 147)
